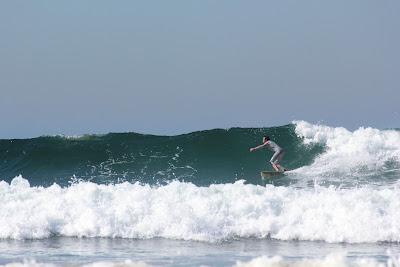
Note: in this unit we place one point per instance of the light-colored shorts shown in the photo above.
(276, 158)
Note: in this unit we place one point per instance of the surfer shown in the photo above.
(278, 153)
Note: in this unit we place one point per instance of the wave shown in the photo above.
(315, 152)
(205, 157)
(184, 211)
(204, 186)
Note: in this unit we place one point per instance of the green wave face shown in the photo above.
(203, 158)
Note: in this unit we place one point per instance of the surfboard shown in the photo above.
(270, 174)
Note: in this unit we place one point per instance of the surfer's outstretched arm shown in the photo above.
(258, 147)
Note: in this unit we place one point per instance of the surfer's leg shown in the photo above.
(281, 168)
(280, 156)
(275, 166)
(276, 159)
(273, 160)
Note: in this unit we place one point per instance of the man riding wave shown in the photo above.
(278, 153)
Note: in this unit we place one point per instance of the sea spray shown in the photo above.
(185, 211)
(364, 156)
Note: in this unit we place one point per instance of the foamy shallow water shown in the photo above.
(107, 252)
(164, 252)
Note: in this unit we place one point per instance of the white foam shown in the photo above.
(333, 260)
(184, 211)
(363, 149)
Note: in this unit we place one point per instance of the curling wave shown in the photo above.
(317, 152)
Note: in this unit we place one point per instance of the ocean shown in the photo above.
(197, 199)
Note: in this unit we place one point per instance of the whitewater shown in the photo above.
(184, 211)
(343, 188)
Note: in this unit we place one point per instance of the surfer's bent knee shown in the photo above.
(276, 157)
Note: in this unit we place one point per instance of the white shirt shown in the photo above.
(273, 146)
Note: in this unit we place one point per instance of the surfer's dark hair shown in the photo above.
(266, 137)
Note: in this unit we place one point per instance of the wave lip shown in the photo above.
(187, 212)
(365, 151)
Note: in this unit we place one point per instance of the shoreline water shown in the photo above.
(164, 252)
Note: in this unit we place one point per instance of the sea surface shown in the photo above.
(197, 199)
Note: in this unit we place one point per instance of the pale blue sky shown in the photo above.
(169, 67)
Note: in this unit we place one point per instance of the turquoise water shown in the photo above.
(204, 158)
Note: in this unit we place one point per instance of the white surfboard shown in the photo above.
(270, 174)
